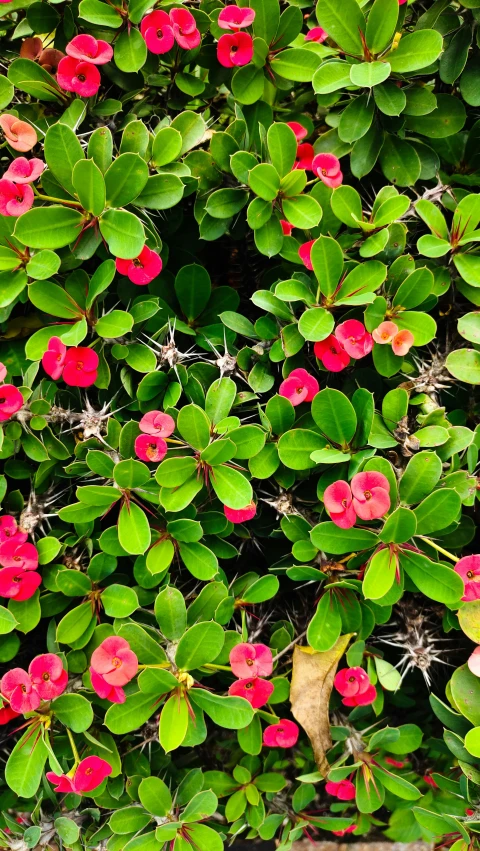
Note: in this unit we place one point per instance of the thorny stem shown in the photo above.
(289, 646)
(439, 548)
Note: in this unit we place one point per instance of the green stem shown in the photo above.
(161, 665)
(267, 716)
(213, 667)
(438, 548)
(57, 200)
(244, 625)
(73, 746)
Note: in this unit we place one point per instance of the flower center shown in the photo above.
(344, 503)
(19, 199)
(324, 172)
(159, 33)
(23, 688)
(249, 685)
(367, 494)
(116, 662)
(470, 574)
(2, 400)
(89, 771)
(79, 364)
(249, 661)
(81, 78)
(46, 677)
(234, 48)
(299, 390)
(351, 679)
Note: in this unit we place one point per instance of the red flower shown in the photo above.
(286, 227)
(300, 131)
(468, 568)
(150, 448)
(3, 372)
(17, 687)
(371, 498)
(22, 170)
(89, 773)
(53, 360)
(318, 35)
(113, 665)
(344, 790)
(430, 781)
(396, 763)
(351, 829)
(234, 17)
(240, 515)
(80, 368)
(157, 423)
(19, 135)
(304, 253)
(235, 49)
(10, 531)
(142, 269)
(157, 31)
(7, 714)
(351, 681)
(15, 199)
(251, 660)
(284, 734)
(339, 504)
(11, 400)
(332, 354)
(18, 584)
(80, 77)
(354, 338)
(305, 155)
(299, 387)
(253, 689)
(86, 48)
(48, 675)
(22, 556)
(327, 168)
(185, 28)
(363, 699)
(115, 694)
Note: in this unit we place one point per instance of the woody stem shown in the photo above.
(438, 548)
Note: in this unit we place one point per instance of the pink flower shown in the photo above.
(402, 342)
(430, 781)
(80, 77)
(150, 448)
(385, 332)
(396, 763)
(317, 34)
(18, 584)
(284, 734)
(89, 773)
(351, 681)
(371, 498)
(17, 687)
(86, 48)
(286, 227)
(468, 568)
(305, 155)
(80, 368)
(339, 504)
(344, 790)
(304, 253)
(363, 699)
(332, 354)
(235, 49)
(327, 168)
(354, 338)
(142, 269)
(251, 660)
(184, 28)
(157, 31)
(15, 199)
(299, 387)
(240, 515)
(54, 358)
(7, 714)
(157, 423)
(10, 531)
(19, 135)
(351, 829)
(253, 689)
(22, 170)
(3, 372)
(11, 400)
(234, 17)
(48, 676)
(22, 556)
(300, 131)
(115, 694)
(474, 661)
(115, 661)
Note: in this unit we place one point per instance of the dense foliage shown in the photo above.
(240, 435)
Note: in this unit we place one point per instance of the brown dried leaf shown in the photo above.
(312, 682)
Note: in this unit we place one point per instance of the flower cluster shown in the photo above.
(299, 387)
(113, 665)
(19, 561)
(367, 497)
(251, 662)
(235, 49)
(150, 445)
(350, 340)
(161, 30)
(78, 366)
(142, 269)
(18, 134)
(355, 687)
(46, 679)
(387, 333)
(77, 72)
(16, 194)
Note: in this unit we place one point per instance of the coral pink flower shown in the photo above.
(7, 714)
(54, 358)
(17, 687)
(385, 332)
(115, 661)
(234, 17)
(240, 515)
(18, 584)
(305, 155)
(351, 829)
(157, 423)
(317, 34)
(371, 498)
(304, 252)
(286, 227)
(142, 269)
(22, 556)
(354, 338)
(474, 662)
(80, 77)
(284, 734)
(364, 699)
(184, 28)
(80, 368)
(22, 170)
(351, 681)
(10, 531)
(115, 694)
(299, 387)
(468, 568)
(332, 354)
(339, 504)
(251, 660)
(89, 773)
(3, 372)
(19, 135)
(48, 675)
(300, 131)
(86, 48)
(15, 198)
(327, 168)
(344, 790)
(402, 342)
(235, 49)
(253, 689)
(396, 763)
(157, 31)
(150, 448)
(11, 400)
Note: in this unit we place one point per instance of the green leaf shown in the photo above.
(62, 152)
(155, 796)
(193, 289)
(74, 624)
(420, 477)
(296, 446)
(133, 529)
(464, 364)
(25, 764)
(436, 581)
(225, 203)
(130, 51)
(381, 25)
(465, 688)
(125, 179)
(296, 64)
(231, 487)
(302, 211)
(335, 416)
(73, 710)
(331, 76)
(199, 559)
(469, 619)
(396, 784)
(119, 601)
(233, 713)
(400, 162)
(265, 181)
(437, 511)
(282, 146)
(370, 792)
(415, 50)
(170, 612)
(53, 300)
(330, 538)
(327, 262)
(380, 574)
(447, 119)
(414, 289)
(7, 621)
(173, 723)
(31, 78)
(343, 23)
(42, 265)
(219, 399)
(194, 426)
(399, 527)
(114, 324)
(49, 227)
(124, 717)
(161, 192)
(326, 625)
(356, 118)
(89, 186)
(167, 145)
(369, 74)
(123, 233)
(202, 643)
